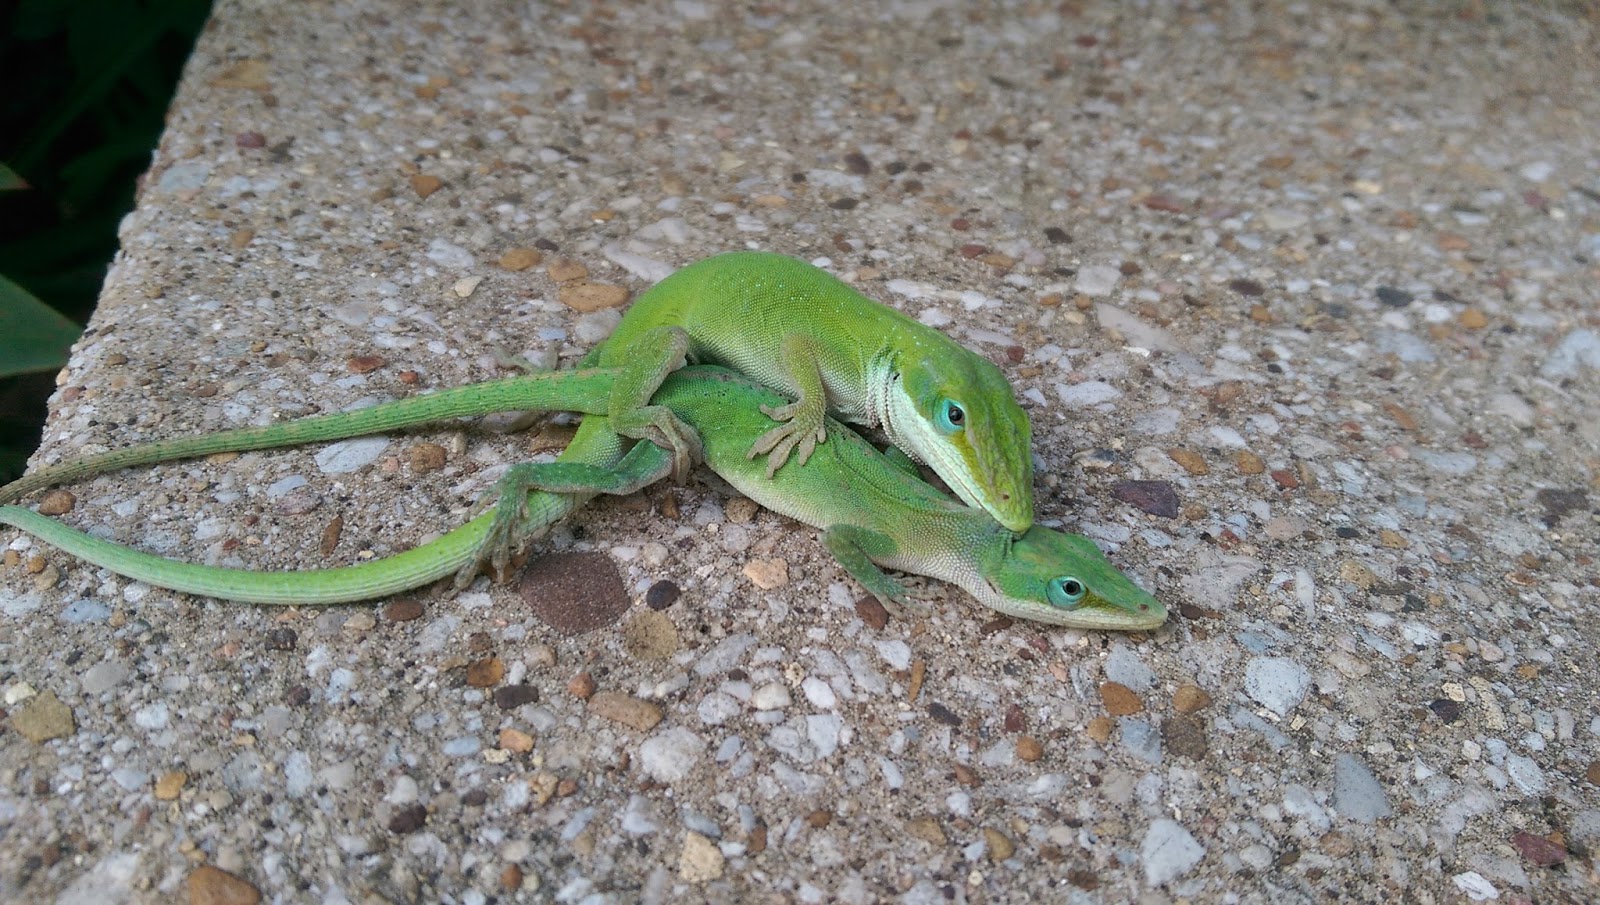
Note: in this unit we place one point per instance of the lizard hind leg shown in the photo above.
(530, 497)
(655, 354)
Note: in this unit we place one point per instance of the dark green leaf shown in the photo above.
(33, 336)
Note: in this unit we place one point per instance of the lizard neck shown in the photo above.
(882, 389)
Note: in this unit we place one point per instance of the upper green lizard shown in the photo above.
(872, 511)
(798, 329)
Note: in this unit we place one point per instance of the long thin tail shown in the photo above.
(582, 391)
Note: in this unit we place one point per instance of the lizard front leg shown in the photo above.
(855, 548)
(803, 424)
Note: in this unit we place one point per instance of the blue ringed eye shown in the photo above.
(952, 417)
(1066, 591)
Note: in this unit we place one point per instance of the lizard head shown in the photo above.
(1064, 579)
(957, 413)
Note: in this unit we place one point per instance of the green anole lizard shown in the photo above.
(874, 513)
(789, 325)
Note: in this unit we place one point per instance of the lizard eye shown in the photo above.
(952, 417)
(1065, 591)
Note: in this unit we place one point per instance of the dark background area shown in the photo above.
(87, 88)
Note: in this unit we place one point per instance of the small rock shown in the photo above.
(767, 574)
(1029, 749)
(1357, 794)
(625, 709)
(999, 844)
(649, 635)
(423, 458)
(1099, 728)
(1098, 279)
(1157, 498)
(671, 755)
(485, 673)
(408, 819)
(520, 259)
(1168, 852)
(510, 697)
(515, 740)
(57, 502)
(661, 595)
(1277, 683)
(213, 886)
(701, 861)
(1190, 699)
(1120, 699)
(43, 717)
(574, 593)
(1185, 736)
(1192, 462)
(1394, 298)
(1248, 462)
(169, 785)
(585, 297)
(403, 610)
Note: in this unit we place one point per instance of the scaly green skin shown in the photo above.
(873, 512)
(799, 330)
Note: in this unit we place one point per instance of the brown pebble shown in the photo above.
(515, 741)
(566, 270)
(1593, 773)
(1190, 699)
(331, 532)
(403, 610)
(586, 297)
(566, 788)
(240, 239)
(1285, 478)
(210, 885)
(1248, 462)
(168, 785)
(1119, 699)
(1400, 416)
(43, 717)
(363, 364)
(1473, 319)
(625, 709)
(927, 829)
(425, 185)
(1158, 498)
(767, 574)
(967, 776)
(509, 697)
(872, 611)
(819, 818)
(581, 685)
(518, 259)
(1015, 720)
(650, 635)
(1000, 845)
(574, 593)
(1100, 728)
(1392, 539)
(1185, 736)
(423, 458)
(1029, 749)
(57, 502)
(408, 819)
(485, 673)
(1192, 462)
(1537, 850)
(511, 878)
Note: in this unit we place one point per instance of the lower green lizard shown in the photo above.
(873, 513)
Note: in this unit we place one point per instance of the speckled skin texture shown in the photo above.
(1326, 272)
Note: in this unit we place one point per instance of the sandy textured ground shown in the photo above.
(1301, 299)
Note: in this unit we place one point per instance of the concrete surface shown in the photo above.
(1325, 273)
